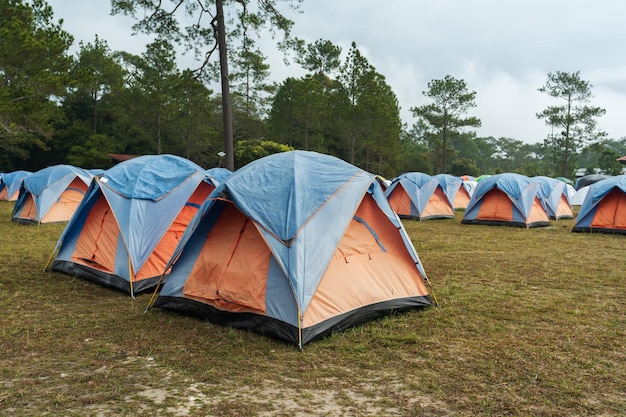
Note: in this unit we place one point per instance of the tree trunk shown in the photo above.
(227, 111)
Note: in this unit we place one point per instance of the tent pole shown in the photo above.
(299, 329)
(154, 293)
(132, 275)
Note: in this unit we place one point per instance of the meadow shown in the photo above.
(530, 322)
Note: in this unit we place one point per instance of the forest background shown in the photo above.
(79, 109)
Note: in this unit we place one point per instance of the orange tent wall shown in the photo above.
(65, 206)
(461, 199)
(4, 194)
(400, 201)
(495, 205)
(564, 209)
(537, 213)
(611, 211)
(29, 209)
(231, 270)
(97, 242)
(437, 205)
(360, 273)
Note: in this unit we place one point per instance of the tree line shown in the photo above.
(79, 109)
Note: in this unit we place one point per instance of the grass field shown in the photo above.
(530, 323)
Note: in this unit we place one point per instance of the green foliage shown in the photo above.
(247, 151)
(464, 166)
(33, 71)
(93, 153)
(573, 122)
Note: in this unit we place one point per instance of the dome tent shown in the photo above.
(415, 195)
(554, 197)
(604, 207)
(131, 220)
(262, 255)
(508, 200)
(457, 193)
(10, 184)
(51, 195)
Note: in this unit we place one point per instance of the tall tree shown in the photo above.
(371, 121)
(96, 73)
(451, 101)
(169, 23)
(298, 114)
(573, 123)
(33, 71)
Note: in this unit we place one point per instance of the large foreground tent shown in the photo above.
(604, 207)
(131, 221)
(415, 195)
(506, 199)
(295, 245)
(51, 195)
(554, 197)
(10, 184)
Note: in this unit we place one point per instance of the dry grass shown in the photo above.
(531, 322)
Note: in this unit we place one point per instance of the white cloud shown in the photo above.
(502, 49)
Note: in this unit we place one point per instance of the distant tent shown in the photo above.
(10, 184)
(457, 194)
(604, 208)
(295, 245)
(579, 196)
(554, 197)
(468, 178)
(506, 199)
(588, 180)
(131, 220)
(415, 195)
(51, 195)
(482, 177)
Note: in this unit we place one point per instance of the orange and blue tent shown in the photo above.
(554, 197)
(10, 184)
(506, 199)
(295, 245)
(457, 193)
(604, 207)
(51, 195)
(416, 195)
(131, 220)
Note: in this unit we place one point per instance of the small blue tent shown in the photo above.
(10, 184)
(604, 207)
(554, 197)
(295, 245)
(415, 195)
(51, 195)
(131, 220)
(506, 199)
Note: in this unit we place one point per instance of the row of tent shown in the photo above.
(508, 199)
(512, 200)
(295, 245)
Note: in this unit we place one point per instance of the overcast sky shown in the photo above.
(503, 50)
